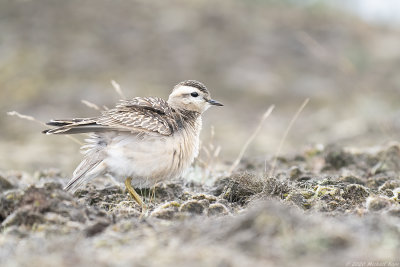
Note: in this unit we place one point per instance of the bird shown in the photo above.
(143, 140)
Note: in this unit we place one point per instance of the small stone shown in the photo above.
(389, 159)
(220, 185)
(173, 205)
(391, 184)
(299, 158)
(52, 186)
(333, 204)
(204, 196)
(23, 217)
(205, 203)
(217, 209)
(355, 192)
(5, 184)
(388, 193)
(376, 182)
(166, 211)
(47, 173)
(15, 231)
(328, 181)
(394, 212)
(223, 202)
(77, 215)
(55, 218)
(294, 173)
(199, 196)
(192, 206)
(168, 191)
(351, 180)
(96, 228)
(377, 203)
(337, 157)
(9, 201)
(304, 178)
(185, 196)
(298, 199)
(164, 214)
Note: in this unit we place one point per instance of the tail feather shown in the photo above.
(78, 126)
(77, 129)
(91, 166)
(85, 172)
(73, 126)
(65, 122)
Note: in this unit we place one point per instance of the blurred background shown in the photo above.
(343, 55)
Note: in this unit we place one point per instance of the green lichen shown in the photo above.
(321, 190)
(396, 194)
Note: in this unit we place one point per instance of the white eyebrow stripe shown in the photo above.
(185, 90)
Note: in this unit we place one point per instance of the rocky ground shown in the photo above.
(324, 207)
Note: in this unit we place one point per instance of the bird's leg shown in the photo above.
(133, 193)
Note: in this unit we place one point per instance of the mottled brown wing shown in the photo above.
(149, 114)
(155, 104)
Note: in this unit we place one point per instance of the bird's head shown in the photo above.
(191, 95)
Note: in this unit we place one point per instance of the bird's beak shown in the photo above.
(214, 102)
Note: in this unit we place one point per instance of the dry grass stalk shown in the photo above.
(24, 117)
(30, 118)
(210, 159)
(278, 151)
(90, 105)
(118, 89)
(251, 138)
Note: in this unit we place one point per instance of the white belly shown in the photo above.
(150, 159)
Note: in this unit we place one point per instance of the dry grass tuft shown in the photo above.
(241, 187)
(209, 156)
(251, 138)
(278, 151)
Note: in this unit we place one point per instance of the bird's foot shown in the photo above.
(135, 195)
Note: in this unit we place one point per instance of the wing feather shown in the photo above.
(140, 114)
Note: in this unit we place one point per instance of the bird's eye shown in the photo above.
(194, 94)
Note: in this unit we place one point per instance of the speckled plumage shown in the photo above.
(147, 114)
(146, 138)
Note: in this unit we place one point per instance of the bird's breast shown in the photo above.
(149, 159)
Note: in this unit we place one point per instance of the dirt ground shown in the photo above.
(324, 207)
